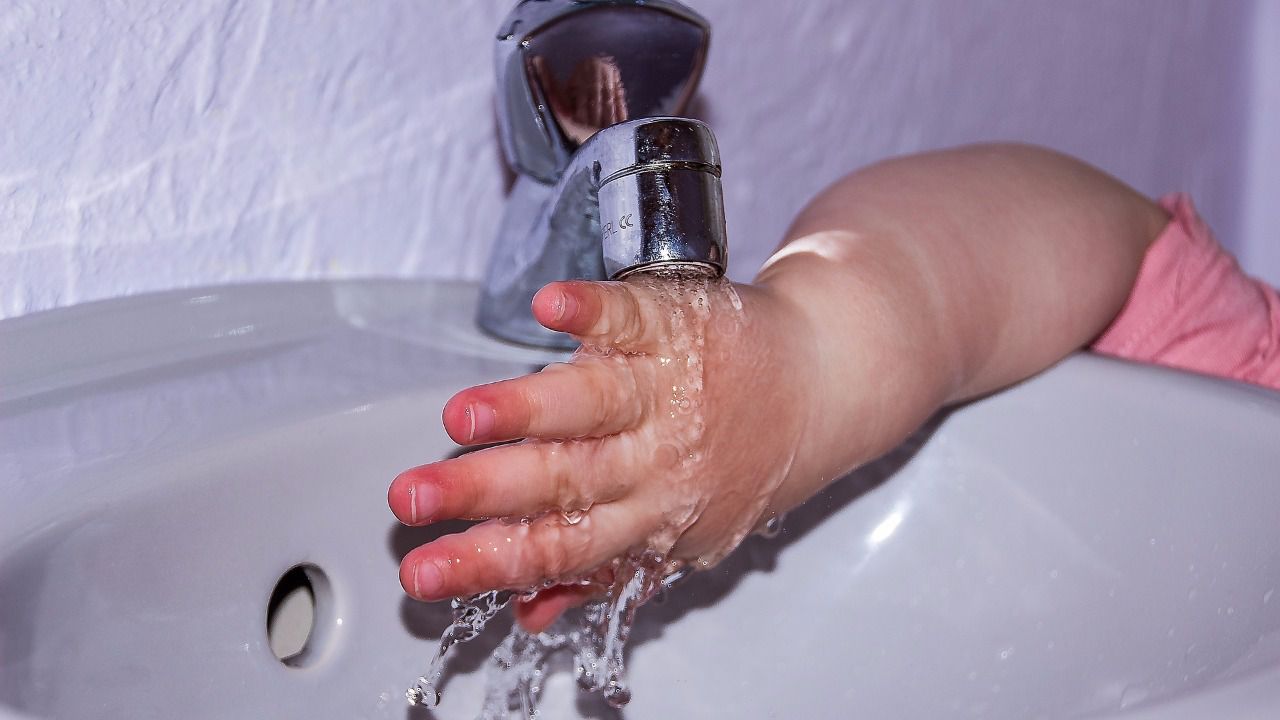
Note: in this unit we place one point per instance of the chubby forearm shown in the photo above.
(938, 277)
(701, 409)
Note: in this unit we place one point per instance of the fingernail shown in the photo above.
(566, 306)
(481, 419)
(424, 501)
(427, 579)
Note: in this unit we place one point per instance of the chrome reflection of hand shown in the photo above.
(594, 97)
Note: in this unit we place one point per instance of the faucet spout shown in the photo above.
(637, 195)
(609, 182)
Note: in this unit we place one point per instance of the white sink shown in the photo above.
(1102, 541)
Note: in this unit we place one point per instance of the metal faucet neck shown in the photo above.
(607, 184)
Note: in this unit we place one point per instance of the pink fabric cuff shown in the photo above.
(1193, 308)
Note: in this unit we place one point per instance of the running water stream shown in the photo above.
(596, 642)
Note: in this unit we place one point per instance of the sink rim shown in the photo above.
(1197, 386)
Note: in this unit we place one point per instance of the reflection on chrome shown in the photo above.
(610, 178)
(593, 99)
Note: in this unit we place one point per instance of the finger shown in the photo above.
(495, 555)
(604, 314)
(537, 613)
(587, 398)
(522, 479)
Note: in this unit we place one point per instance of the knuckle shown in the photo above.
(469, 490)
(629, 402)
(635, 323)
(619, 404)
(615, 316)
(524, 405)
(599, 394)
(538, 396)
(554, 551)
(456, 495)
(556, 470)
(572, 472)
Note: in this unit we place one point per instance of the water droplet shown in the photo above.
(666, 456)
(423, 695)
(734, 299)
(771, 527)
(573, 517)
(617, 694)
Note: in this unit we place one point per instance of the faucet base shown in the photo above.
(513, 278)
(529, 334)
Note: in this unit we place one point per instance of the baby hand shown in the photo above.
(671, 430)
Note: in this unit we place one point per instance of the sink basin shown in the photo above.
(1101, 541)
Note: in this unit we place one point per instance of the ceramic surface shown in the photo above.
(1101, 541)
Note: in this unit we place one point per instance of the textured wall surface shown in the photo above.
(151, 144)
(1260, 251)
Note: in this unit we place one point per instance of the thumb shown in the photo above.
(537, 613)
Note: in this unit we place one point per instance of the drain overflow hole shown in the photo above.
(293, 612)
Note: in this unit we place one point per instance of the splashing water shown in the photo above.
(518, 666)
(596, 642)
(597, 634)
(470, 615)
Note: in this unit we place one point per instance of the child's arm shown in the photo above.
(952, 274)
(906, 286)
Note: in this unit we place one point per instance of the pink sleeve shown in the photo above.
(1193, 308)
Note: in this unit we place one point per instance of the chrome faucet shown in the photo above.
(607, 184)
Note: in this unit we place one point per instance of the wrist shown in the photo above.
(879, 359)
(788, 384)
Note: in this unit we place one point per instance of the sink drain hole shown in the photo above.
(299, 615)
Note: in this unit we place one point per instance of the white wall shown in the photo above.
(151, 144)
(1260, 251)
